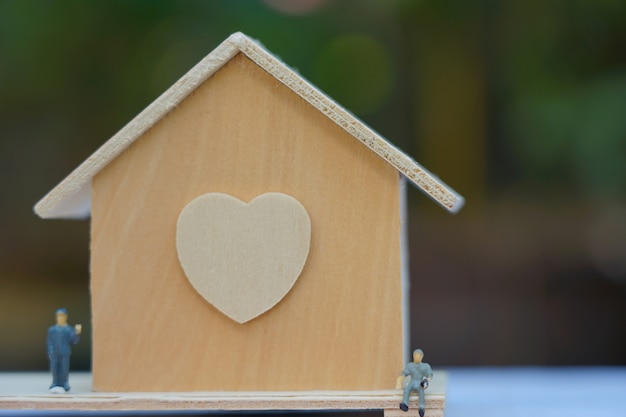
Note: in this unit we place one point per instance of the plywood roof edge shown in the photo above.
(71, 199)
(417, 174)
(51, 205)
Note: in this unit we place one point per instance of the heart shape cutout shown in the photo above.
(243, 258)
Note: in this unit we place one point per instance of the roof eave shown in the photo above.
(57, 203)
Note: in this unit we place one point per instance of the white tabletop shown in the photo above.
(501, 392)
(536, 392)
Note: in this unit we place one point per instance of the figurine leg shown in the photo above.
(404, 405)
(421, 401)
(56, 371)
(65, 372)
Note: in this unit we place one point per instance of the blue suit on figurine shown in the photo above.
(60, 337)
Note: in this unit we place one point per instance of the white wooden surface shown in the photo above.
(29, 391)
(471, 392)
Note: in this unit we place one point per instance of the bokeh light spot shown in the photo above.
(356, 71)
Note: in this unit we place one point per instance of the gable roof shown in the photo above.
(71, 198)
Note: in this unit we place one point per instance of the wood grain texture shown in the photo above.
(243, 258)
(71, 199)
(27, 391)
(244, 133)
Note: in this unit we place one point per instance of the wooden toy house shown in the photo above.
(239, 134)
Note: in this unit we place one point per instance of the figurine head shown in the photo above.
(418, 355)
(61, 317)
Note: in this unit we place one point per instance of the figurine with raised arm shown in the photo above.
(419, 374)
(60, 338)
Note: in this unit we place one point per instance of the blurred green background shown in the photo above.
(518, 105)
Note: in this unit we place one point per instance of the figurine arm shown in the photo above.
(401, 378)
(76, 334)
(426, 378)
(49, 344)
(400, 381)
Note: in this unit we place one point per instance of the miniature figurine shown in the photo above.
(60, 337)
(420, 374)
